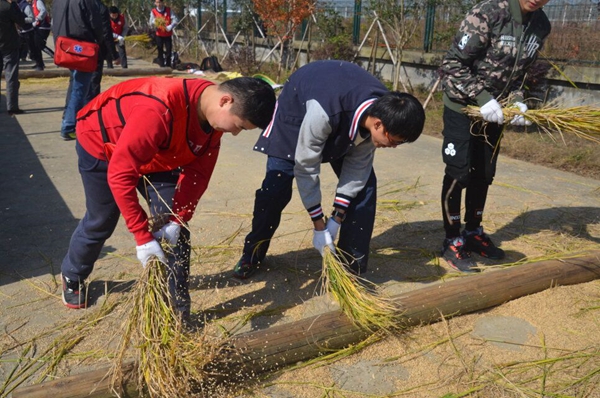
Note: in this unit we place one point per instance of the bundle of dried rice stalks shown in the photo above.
(170, 359)
(356, 296)
(143, 38)
(582, 121)
(160, 22)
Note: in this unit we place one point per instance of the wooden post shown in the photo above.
(260, 351)
(432, 92)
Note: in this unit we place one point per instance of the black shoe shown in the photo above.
(244, 269)
(16, 112)
(74, 293)
(455, 253)
(479, 242)
(67, 136)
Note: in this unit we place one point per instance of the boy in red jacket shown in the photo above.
(161, 137)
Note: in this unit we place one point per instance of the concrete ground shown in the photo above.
(41, 201)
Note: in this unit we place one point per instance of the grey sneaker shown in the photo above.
(455, 253)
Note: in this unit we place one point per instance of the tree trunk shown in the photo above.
(279, 346)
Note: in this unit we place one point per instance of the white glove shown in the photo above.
(35, 23)
(333, 227)
(151, 249)
(322, 239)
(169, 232)
(520, 120)
(169, 28)
(492, 112)
(121, 40)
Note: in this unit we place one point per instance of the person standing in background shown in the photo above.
(26, 31)
(108, 53)
(163, 20)
(495, 45)
(41, 28)
(120, 29)
(77, 19)
(10, 15)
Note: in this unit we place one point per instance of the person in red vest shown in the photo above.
(163, 20)
(119, 28)
(41, 26)
(159, 137)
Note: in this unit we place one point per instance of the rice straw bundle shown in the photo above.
(143, 38)
(582, 121)
(364, 307)
(160, 22)
(170, 361)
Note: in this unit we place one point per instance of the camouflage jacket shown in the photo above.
(491, 53)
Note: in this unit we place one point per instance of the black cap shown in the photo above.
(113, 10)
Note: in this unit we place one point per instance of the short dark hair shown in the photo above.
(402, 115)
(113, 10)
(254, 99)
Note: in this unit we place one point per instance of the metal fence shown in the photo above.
(575, 33)
(575, 27)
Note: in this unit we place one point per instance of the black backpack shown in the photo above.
(211, 63)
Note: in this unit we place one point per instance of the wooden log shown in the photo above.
(62, 72)
(92, 384)
(260, 351)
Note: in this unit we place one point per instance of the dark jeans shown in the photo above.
(164, 54)
(276, 192)
(102, 215)
(76, 98)
(34, 50)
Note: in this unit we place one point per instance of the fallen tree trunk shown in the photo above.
(257, 352)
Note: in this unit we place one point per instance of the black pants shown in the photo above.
(164, 54)
(276, 192)
(470, 152)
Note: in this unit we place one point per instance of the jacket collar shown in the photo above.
(515, 11)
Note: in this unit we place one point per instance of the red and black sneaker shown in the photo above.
(74, 293)
(455, 253)
(480, 243)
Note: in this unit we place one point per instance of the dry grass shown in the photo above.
(571, 153)
(170, 359)
(356, 296)
(143, 38)
(580, 121)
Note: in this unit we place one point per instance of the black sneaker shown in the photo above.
(479, 242)
(455, 253)
(244, 269)
(74, 293)
(14, 112)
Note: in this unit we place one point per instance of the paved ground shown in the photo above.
(41, 202)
